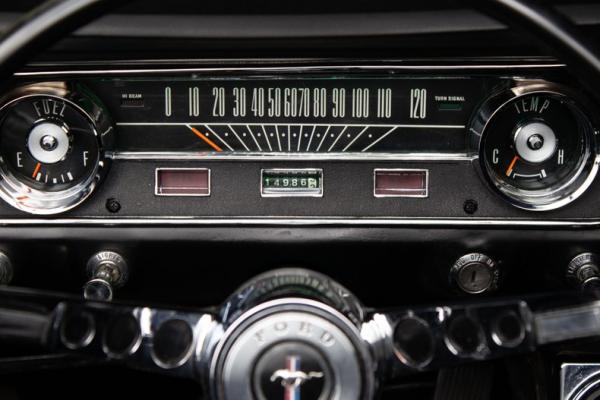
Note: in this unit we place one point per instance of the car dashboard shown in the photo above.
(328, 201)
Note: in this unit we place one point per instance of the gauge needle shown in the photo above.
(511, 166)
(203, 137)
(36, 170)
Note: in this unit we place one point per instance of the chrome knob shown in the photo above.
(107, 271)
(583, 271)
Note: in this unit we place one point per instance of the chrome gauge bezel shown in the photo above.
(556, 196)
(39, 202)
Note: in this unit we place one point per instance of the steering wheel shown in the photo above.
(329, 319)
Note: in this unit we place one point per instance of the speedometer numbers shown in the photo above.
(537, 148)
(51, 154)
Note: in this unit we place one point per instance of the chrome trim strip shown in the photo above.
(300, 221)
(253, 156)
(203, 123)
(83, 72)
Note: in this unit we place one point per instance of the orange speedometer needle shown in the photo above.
(203, 137)
(511, 166)
(36, 170)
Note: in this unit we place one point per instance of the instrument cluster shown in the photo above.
(389, 143)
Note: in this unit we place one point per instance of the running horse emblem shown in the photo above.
(292, 378)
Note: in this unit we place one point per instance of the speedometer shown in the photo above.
(292, 115)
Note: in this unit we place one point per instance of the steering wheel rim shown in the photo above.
(43, 26)
(580, 55)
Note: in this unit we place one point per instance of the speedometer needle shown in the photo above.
(206, 140)
(511, 166)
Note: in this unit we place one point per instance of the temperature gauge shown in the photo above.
(538, 149)
(51, 154)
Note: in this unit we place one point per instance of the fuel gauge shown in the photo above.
(48, 143)
(50, 153)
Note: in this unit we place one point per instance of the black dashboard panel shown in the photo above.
(347, 122)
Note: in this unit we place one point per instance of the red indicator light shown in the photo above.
(182, 182)
(401, 182)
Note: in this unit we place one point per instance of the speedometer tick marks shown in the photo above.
(337, 138)
(238, 137)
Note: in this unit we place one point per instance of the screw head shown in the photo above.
(48, 142)
(113, 205)
(470, 206)
(535, 142)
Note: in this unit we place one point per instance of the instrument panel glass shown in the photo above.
(335, 114)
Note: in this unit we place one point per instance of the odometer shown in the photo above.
(292, 183)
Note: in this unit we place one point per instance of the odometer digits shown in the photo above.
(292, 183)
